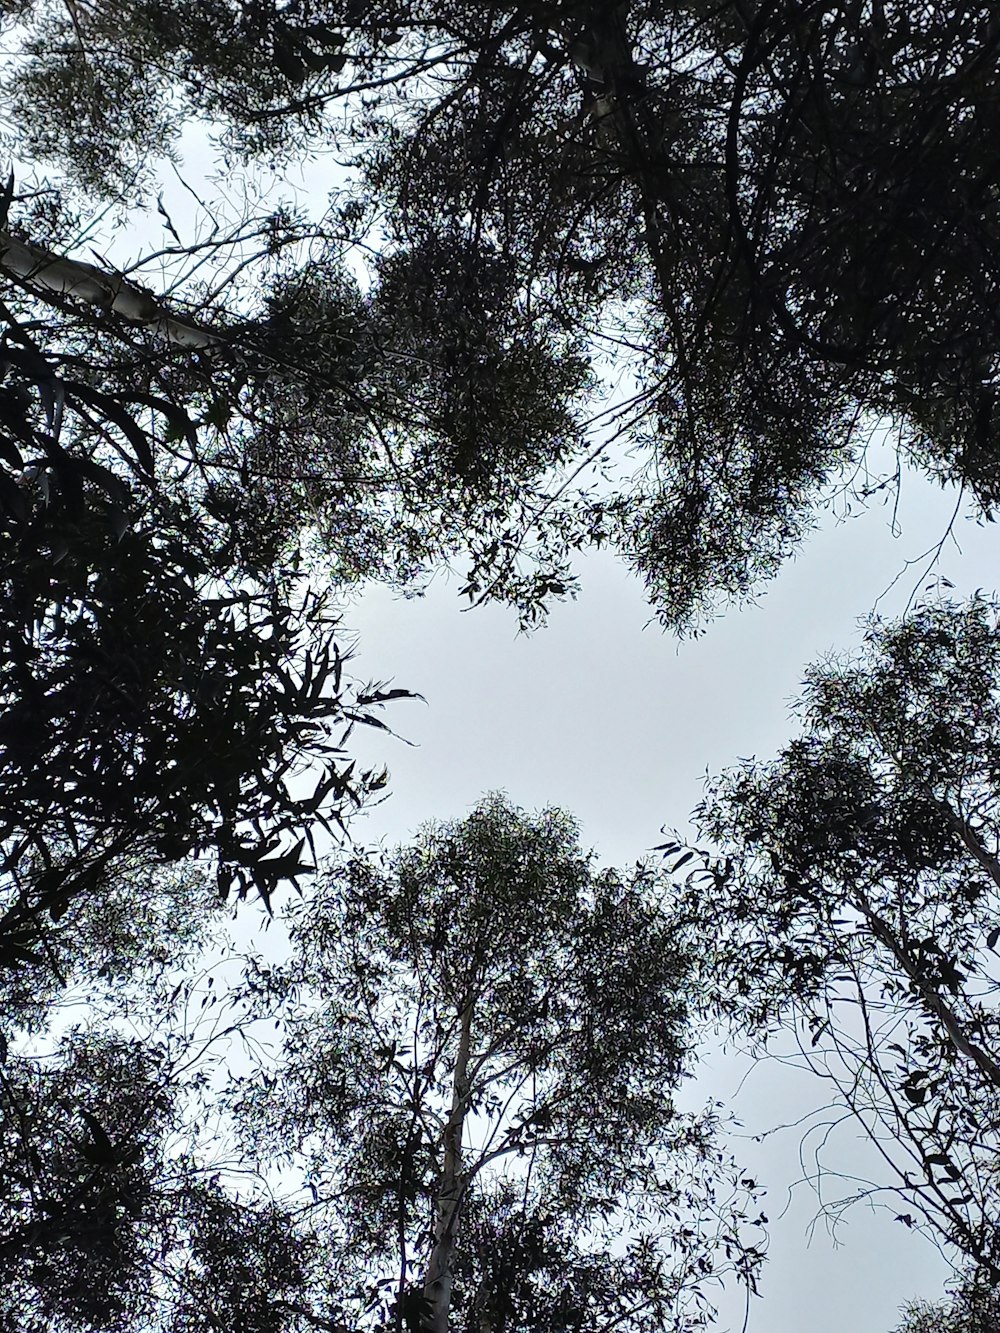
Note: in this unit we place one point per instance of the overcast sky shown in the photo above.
(603, 714)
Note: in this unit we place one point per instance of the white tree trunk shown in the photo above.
(47, 272)
(439, 1278)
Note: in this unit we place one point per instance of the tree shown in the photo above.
(391, 431)
(483, 1042)
(153, 712)
(971, 1308)
(117, 1211)
(165, 664)
(852, 897)
(780, 217)
(123, 1204)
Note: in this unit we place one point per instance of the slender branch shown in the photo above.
(930, 996)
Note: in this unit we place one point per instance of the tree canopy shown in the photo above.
(470, 1120)
(970, 1308)
(640, 275)
(780, 219)
(478, 1087)
(854, 897)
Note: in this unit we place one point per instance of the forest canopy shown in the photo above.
(656, 278)
(776, 224)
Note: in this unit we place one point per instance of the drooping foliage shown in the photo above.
(164, 681)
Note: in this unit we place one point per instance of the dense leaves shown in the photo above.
(972, 1307)
(167, 671)
(719, 241)
(110, 1222)
(148, 711)
(781, 218)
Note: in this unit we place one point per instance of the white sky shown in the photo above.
(603, 714)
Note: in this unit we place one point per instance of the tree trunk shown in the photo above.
(440, 1266)
(44, 271)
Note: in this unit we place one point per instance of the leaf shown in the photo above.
(992, 937)
(102, 1150)
(6, 198)
(53, 397)
(219, 414)
(59, 906)
(325, 35)
(288, 866)
(161, 209)
(103, 477)
(126, 424)
(688, 856)
(175, 415)
(12, 500)
(289, 62)
(384, 696)
(16, 953)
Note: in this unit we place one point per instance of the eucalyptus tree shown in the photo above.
(166, 665)
(153, 713)
(388, 427)
(853, 897)
(972, 1307)
(779, 218)
(483, 1041)
(120, 1207)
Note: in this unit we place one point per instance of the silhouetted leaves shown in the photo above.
(864, 877)
(780, 222)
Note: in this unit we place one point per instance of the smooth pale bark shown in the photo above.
(439, 1278)
(47, 272)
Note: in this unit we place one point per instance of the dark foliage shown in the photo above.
(784, 214)
(160, 684)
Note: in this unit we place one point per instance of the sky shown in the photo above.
(605, 715)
